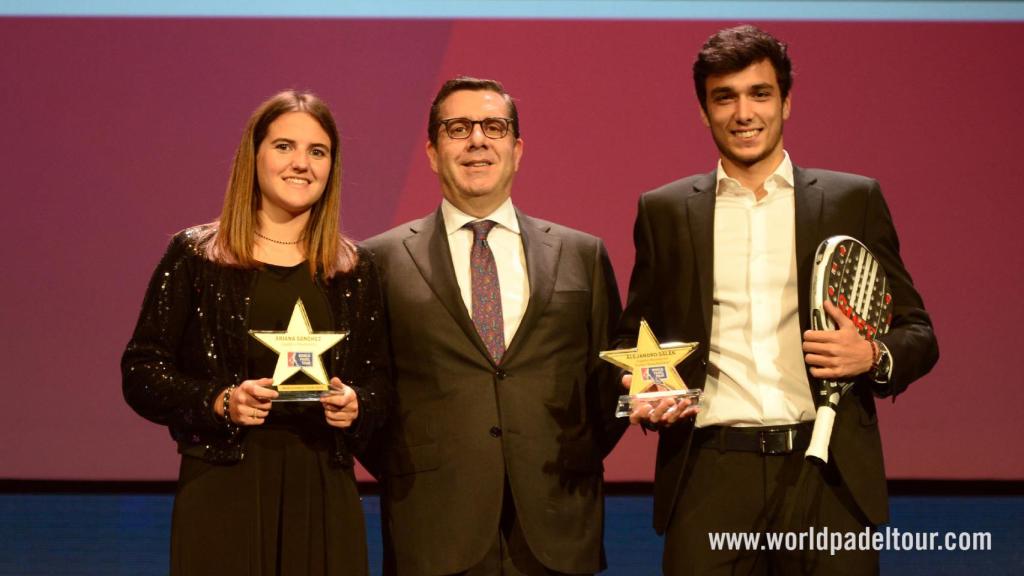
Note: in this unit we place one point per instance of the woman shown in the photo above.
(264, 487)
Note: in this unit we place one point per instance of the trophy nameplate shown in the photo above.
(298, 350)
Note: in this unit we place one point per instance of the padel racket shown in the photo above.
(847, 274)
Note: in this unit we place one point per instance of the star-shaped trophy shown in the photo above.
(653, 366)
(299, 350)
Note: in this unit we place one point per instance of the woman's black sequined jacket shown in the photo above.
(192, 338)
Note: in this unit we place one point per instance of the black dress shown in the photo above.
(286, 508)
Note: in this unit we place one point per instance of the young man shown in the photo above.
(724, 259)
(494, 464)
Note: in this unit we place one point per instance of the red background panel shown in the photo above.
(119, 132)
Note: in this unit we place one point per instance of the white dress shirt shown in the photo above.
(507, 246)
(756, 372)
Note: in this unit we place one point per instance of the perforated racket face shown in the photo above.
(847, 274)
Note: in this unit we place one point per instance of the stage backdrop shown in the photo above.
(118, 132)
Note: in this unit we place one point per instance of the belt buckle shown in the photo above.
(774, 447)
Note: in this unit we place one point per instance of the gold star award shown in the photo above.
(298, 350)
(653, 366)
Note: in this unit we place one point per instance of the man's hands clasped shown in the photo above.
(661, 411)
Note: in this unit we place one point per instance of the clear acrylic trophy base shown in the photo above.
(299, 397)
(627, 404)
(302, 392)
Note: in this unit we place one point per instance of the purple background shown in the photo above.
(120, 131)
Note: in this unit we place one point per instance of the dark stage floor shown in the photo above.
(118, 533)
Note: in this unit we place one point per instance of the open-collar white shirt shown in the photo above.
(756, 373)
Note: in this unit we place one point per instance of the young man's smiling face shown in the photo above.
(746, 112)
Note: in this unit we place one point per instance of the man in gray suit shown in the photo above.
(493, 464)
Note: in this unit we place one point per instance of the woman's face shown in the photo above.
(293, 164)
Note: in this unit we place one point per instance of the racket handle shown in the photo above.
(817, 450)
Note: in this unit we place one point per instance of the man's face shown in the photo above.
(745, 112)
(478, 169)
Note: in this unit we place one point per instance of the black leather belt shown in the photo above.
(760, 439)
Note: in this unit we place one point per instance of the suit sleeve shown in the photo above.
(604, 314)
(370, 366)
(640, 297)
(911, 339)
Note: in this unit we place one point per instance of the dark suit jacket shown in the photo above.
(671, 286)
(543, 417)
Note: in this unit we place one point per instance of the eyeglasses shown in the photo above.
(462, 128)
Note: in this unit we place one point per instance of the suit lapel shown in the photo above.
(428, 248)
(701, 222)
(542, 250)
(809, 201)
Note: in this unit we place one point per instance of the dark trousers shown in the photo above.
(509, 555)
(732, 491)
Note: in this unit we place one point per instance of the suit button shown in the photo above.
(495, 431)
(500, 374)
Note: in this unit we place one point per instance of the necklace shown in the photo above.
(277, 241)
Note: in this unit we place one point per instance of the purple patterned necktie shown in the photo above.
(486, 291)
